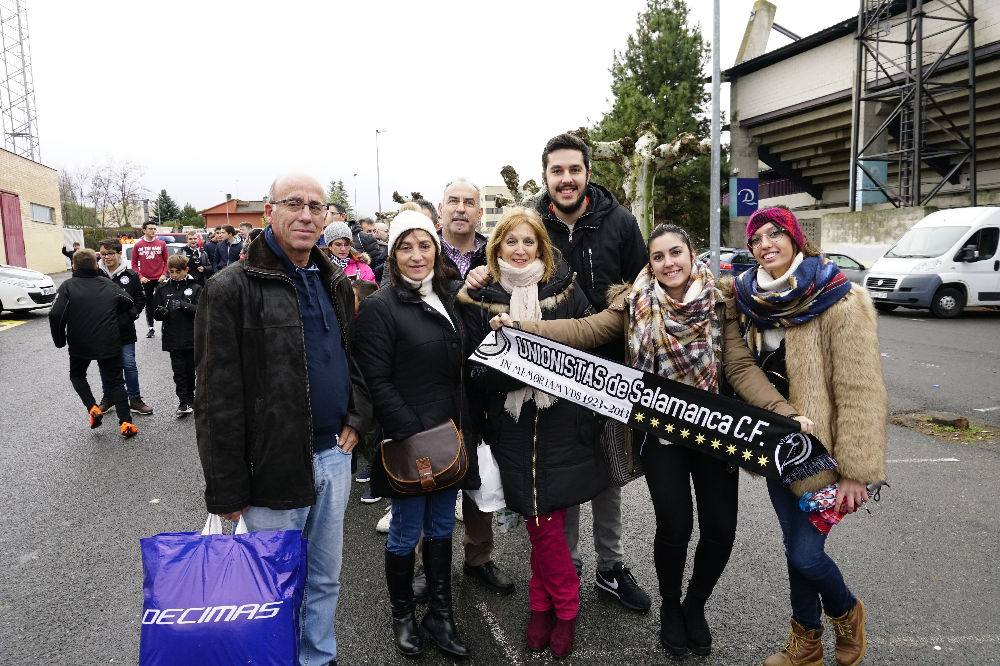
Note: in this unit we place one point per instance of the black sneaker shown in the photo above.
(619, 582)
(151, 333)
(368, 497)
(490, 575)
(364, 475)
(184, 409)
(105, 405)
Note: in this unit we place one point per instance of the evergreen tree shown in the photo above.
(659, 80)
(189, 217)
(337, 194)
(164, 209)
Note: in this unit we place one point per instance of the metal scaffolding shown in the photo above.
(17, 90)
(913, 88)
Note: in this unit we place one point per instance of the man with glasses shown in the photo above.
(277, 387)
(112, 267)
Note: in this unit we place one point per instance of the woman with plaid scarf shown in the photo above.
(677, 324)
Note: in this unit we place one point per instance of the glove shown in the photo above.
(173, 305)
(160, 311)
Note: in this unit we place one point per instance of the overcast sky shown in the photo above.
(219, 97)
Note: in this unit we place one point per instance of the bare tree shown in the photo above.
(100, 191)
(126, 192)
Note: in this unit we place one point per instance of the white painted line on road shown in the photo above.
(924, 641)
(985, 409)
(498, 635)
(922, 460)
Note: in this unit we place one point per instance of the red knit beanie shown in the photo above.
(779, 217)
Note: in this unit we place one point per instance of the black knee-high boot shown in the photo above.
(399, 578)
(669, 560)
(439, 622)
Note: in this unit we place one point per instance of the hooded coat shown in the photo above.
(85, 316)
(551, 458)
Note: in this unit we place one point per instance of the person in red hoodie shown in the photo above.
(149, 260)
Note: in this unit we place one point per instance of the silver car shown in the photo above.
(852, 268)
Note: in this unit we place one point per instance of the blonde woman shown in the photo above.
(545, 448)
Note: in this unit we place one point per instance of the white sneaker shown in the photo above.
(458, 506)
(382, 527)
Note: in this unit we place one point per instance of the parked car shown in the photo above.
(852, 268)
(945, 262)
(732, 260)
(22, 289)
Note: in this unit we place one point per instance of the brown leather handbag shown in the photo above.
(429, 461)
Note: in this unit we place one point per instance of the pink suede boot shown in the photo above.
(539, 629)
(561, 640)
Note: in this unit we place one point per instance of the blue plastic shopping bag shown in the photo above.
(218, 600)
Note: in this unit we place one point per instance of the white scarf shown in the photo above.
(771, 337)
(428, 295)
(522, 285)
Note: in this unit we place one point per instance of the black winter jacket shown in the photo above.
(130, 283)
(85, 315)
(478, 259)
(198, 258)
(252, 408)
(606, 246)
(549, 459)
(175, 304)
(413, 361)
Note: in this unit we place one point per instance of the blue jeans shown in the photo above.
(812, 575)
(433, 515)
(131, 372)
(322, 524)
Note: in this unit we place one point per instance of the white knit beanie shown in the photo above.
(336, 230)
(405, 222)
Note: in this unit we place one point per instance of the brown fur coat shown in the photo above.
(835, 378)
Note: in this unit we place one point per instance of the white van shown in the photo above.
(945, 262)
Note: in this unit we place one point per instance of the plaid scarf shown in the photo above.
(677, 340)
(815, 285)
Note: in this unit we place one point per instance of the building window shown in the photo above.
(491, 197)
(42, 214)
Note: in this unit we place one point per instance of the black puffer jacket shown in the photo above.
(605, 248)
(549, 459)
(252, 408)
(129, 281)
(85, 315)
(413, 361)
(175, 304)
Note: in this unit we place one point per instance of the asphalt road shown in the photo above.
(75, 502)
(951, 365)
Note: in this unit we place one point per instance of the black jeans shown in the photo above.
(670, 470)
(182, 363)
(112, 377)
(149, 291)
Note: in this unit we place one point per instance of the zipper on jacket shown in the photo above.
(534, 470)
(284, 278)
(590, 256)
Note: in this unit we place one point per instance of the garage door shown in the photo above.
(13, 234)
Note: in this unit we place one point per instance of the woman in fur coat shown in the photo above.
(675, 324)
(815, 336)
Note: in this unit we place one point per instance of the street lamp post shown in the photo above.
(356, 193)
(378, 171)
(714, 223)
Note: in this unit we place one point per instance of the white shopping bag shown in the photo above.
(489, 496)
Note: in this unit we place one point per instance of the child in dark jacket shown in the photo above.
(85, 317)
(175, 304)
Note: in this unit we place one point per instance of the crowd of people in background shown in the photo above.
(317, 340)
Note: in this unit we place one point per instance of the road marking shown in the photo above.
(923, 641)
(922, 460)
(11, 323)
(985, 409)
(498, 635)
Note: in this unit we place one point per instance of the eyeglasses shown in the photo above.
(295, 205)
(771, 236)
(108, 254)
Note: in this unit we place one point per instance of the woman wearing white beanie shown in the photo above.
(340, 251)
(413, 362)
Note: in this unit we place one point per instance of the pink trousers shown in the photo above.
(554, 583)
